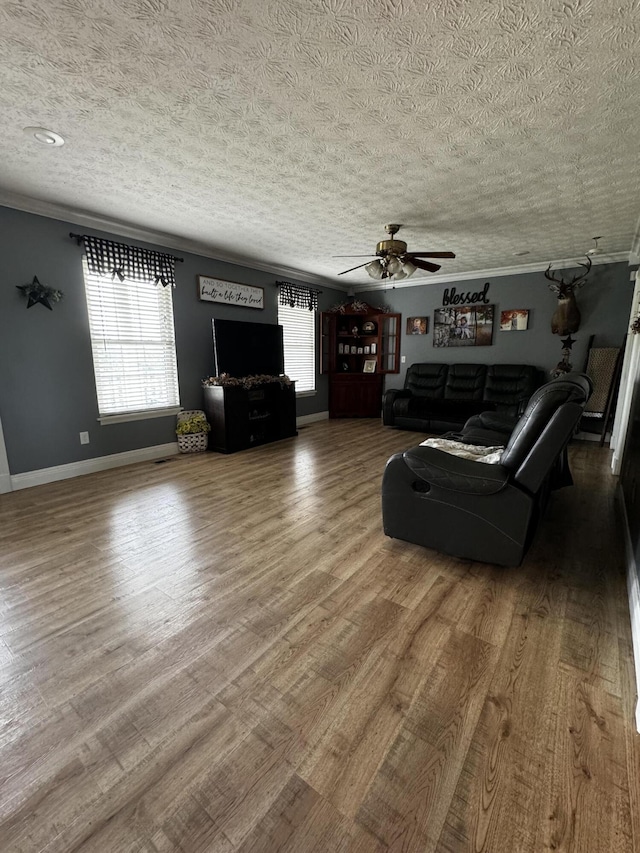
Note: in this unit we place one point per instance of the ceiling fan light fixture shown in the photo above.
(394, 261)
(375, 269)
(394, 265)
(595, 250)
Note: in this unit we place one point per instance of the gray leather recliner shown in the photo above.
(479, 511)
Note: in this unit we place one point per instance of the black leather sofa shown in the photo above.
(441, 397)
(479, 511)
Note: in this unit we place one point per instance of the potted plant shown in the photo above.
(192, 431)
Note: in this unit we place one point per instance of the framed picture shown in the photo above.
(471, 326)
(369, 365)
(230, 293)
(514, 320)
(417, 325)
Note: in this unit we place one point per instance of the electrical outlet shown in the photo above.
(403, 359)
(84, 438)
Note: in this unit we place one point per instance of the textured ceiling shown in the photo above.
(287, 132)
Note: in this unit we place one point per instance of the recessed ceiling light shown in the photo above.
(520, 254)
(44, 136)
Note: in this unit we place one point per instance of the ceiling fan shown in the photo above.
(595, 250)
(393, 260)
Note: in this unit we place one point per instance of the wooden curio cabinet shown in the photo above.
(357, 348)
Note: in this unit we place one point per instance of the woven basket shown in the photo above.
(194, 442)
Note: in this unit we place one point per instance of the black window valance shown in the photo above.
(298, 296)
(132, 262)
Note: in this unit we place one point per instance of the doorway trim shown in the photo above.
(5, 475)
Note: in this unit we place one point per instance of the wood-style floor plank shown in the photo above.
(224, 654)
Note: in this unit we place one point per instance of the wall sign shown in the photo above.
(230, 293)
(453, 298)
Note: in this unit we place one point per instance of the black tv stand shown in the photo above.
(246, 417)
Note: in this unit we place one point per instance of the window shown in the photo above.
(299, 333)
(133, 343)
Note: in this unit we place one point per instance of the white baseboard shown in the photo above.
(115, 460)
(633, 591)
(310, 419)
(90, 466)
(5, 483)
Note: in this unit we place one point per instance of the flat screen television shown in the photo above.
(247, 349)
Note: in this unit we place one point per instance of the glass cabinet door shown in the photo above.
(327, 343)
(390, 343)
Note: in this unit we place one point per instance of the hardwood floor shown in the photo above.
(225, 653)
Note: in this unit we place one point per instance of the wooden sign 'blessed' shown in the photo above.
(453, 298)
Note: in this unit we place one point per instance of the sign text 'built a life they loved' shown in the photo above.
(230, 292)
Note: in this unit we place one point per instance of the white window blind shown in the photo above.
(133, 342)
(299, 325)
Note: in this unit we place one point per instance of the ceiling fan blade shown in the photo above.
(353, 256)
(431, 254)
(357, 268)
(424, 265)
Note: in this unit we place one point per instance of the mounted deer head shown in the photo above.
(566, 318)
(563, 288)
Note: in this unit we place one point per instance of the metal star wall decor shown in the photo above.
(36, 292)
(568, 342)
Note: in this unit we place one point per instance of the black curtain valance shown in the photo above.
(298, 296)
(105, 256)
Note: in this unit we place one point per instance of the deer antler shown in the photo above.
(558, 281)
(563, 287)
(579, 279)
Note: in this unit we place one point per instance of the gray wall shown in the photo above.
(47, 389)
(604, 302)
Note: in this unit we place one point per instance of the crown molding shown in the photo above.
(564, 263)
(86, 218)
(53, 210)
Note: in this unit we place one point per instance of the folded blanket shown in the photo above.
(490, 455)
